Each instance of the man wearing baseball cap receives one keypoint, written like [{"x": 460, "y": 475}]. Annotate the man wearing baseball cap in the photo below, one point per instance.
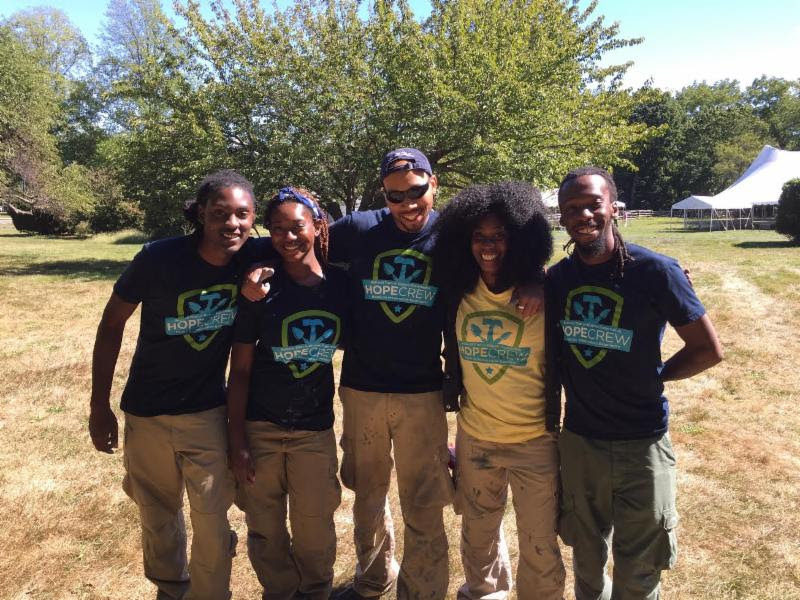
[{"x": 391, "y": 384}]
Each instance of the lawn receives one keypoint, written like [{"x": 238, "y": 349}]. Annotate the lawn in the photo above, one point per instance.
[{"x": 70, "y": 532}]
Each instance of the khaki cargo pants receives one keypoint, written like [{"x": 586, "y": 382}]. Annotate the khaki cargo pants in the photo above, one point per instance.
[
  {"x": 413, "y": 429},
  {"x": 626, "y": 488},
  {"x": 484, "y": 472},
  {"x": 164, "y": 455},
  {"x": 301, "y": 465}
]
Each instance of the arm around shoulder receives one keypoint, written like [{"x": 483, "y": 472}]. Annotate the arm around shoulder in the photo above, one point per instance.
[{"x": 702, "y": 350}]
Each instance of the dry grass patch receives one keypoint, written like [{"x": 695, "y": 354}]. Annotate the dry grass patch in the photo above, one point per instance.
[{"x": 70, "y": 531}]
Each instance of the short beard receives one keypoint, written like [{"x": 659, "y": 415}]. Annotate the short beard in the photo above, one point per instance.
[{"x": 595, "y": 248}]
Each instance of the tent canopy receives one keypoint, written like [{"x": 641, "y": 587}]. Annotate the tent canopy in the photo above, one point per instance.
[
  {"x": 761, "y": 183},
  {"x": 693, "y": 203}
]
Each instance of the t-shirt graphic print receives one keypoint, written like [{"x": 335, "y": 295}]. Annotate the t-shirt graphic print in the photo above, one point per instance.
[
  {"x": 202, "y": 313},
  {"x": 308, "y": 340},
  {"x": 591, "y": 324},
  {"x": 400, "y": 282},
  {"x": 490, "y": 341}
]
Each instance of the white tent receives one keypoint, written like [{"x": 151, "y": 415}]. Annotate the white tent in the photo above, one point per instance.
[
  {"x": 693, "y": 203},
  {"x": 761, "y": 184},
  {"x": 763, "y": 180}
]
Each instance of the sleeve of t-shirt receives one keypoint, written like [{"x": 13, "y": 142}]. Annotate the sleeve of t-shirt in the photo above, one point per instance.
[
  {"x": 134, "y": 283},
  {"x": 258, "y": 249},
  {"x": 340, "y": 242},
  {"x": 245, "y": 327},
  {"x": 676, "y": 299}
]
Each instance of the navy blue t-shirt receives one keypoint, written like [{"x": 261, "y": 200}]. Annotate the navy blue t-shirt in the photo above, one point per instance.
[
  {"x": 296, "y": 330},
  {"x": 188, "y": 310},
  {"x": 606, "y": 337},
  {"x": 398, "y": 316}
]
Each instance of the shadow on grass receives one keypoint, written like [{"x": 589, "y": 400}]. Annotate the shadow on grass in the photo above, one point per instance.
[
  {"x": 89, "y": 269},
  {"x": 769, "y": 244},
  {"x": 133, "y": 238}
]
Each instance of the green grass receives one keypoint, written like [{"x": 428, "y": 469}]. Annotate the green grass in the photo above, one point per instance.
[{"x": 70, "y": 532}]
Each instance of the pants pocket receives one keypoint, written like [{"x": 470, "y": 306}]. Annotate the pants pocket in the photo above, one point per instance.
[
  {"x": 667, "y": 553},
  {"x": 434, "y": 487},
  {"x": 566, "y": 520}
]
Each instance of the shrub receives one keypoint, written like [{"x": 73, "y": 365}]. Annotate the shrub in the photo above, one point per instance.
[
  {"x": 787, "y": 221},
  {"x": 112, "y": 212}
]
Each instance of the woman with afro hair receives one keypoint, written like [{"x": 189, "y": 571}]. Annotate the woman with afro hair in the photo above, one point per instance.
[{"x": 491, "y": 239}]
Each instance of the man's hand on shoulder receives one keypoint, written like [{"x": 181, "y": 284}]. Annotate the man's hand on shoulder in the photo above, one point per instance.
[{"x": 528, "y": 298}]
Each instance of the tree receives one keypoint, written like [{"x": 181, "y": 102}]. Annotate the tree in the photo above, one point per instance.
[
  {"x": 656, "y": 159},
  {"x": 28, "y": 110},
  {"x": 56, "y": 42},
  {"x": 777, "y": 103},
  {"x": 787, "y": 220},
  {"x": 706, "y": 135},
  {"x": 136, "y": 61},
  {"x": 315, "y": 95}
]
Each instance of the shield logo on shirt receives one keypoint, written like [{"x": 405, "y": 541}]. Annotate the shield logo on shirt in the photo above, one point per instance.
[
  {"x": 490, "y": 340},
  {"x": 202, "y": 313},
  {"x": 308, "y": 340},
  {"x": 400, "y": 282},
  {"x": 591, "y": 324}
]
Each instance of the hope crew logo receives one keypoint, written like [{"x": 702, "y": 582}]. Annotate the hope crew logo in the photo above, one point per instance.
[
  {"x": 490, "y": 340},
  {"x": 308, "y": 339},
  {"x": 202, "y": 313},
  {"x": 596, "y": 329},
  {"x": 400, "y": 283}
]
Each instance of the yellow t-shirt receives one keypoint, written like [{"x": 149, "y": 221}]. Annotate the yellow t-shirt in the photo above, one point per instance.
[{"x": 502, "y": 363}]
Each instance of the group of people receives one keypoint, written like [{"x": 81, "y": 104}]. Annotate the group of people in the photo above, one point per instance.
[{"x": 468, "y": 283}]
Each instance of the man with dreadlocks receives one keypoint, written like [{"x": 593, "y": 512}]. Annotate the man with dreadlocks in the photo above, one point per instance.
[{"x": 608, "y": 304}]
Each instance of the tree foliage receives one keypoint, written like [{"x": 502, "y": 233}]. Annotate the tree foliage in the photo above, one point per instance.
[
  {"x": 707, "y": 135},
  {"x": 28, "y": 110},
  {"x": 315, "y": 94}
]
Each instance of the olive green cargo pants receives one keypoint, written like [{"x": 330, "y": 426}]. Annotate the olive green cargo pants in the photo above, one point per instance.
[{"x": 625, "y": 488}]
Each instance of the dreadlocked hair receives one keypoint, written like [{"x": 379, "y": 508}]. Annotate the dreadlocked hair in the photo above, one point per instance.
[
  {"x": 321, "y": 241},
  {"x": 621, "y": 254},
  {"x": 210, "y": 188},
  {"x": 530, "y": 242}
]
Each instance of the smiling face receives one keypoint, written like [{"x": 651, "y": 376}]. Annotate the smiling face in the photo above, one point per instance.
[
  {"x": 587, "y": 213},
  {"x": 489, "y": 245},
  {"x": 410, "y": 215},
  {"x": 293, "y": 231},
  {"x": 227, "y": 219}
]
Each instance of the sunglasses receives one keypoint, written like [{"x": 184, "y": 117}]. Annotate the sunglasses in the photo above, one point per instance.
[{"x": 413, "y": 193}]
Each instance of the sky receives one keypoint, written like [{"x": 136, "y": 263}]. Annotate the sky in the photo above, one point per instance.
[{"x": 684, "y": 40}]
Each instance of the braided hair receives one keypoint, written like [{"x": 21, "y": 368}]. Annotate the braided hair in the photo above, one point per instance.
[
  {"x": 298, "y": 194},
  {"x": 621, "y": 254},
  {"x": 210, "y": 188}
]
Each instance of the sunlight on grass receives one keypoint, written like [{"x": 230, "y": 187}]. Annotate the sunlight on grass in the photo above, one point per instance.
[{"x": 70, "y": 532}]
